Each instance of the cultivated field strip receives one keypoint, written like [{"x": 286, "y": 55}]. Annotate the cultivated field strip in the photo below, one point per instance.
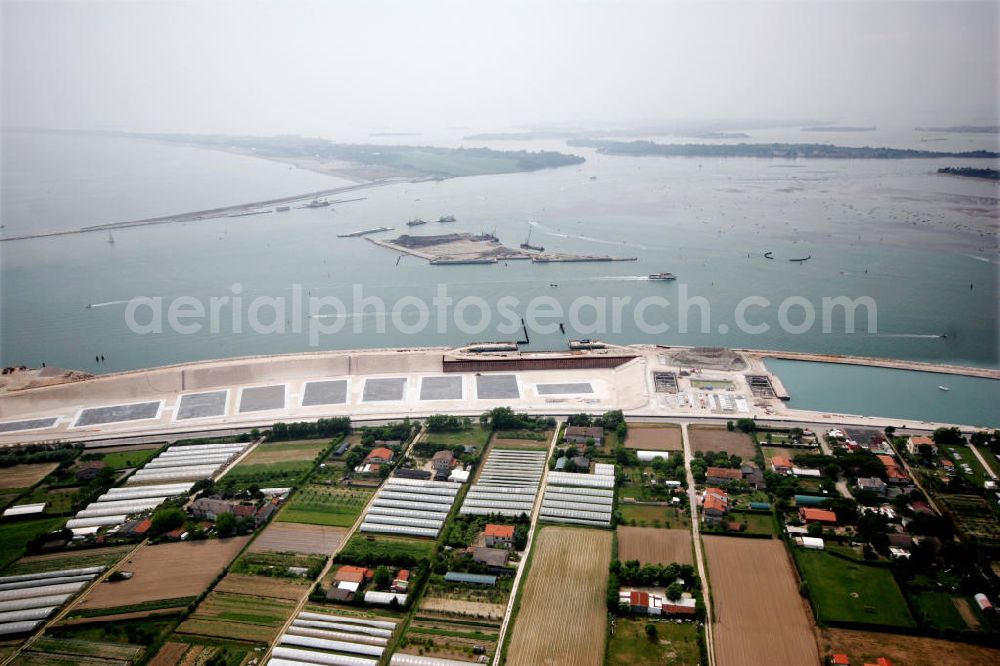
[
  {"x": 507, "y": 483},
  {"x": 410, "y": 506},
  {"x": 563, "y": 618},
  {"x": 579, "y": 499},
  {"x": 28, "y": 600},
  {"x": 338, "y": 640},
  {"x": 650, "y": 545},
  {"x": 754, "y": 590}
]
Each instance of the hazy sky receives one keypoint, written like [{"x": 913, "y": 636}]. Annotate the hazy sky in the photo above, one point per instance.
[{"x": 322, "y": 67}]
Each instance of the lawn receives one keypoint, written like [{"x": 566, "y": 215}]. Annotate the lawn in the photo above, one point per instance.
[
  {"x": 853, "y": 592},
  {"x": 15, "y": 536},
  {"x": 324, "y": 505},
  {"x": 940, "y": 611},
  {"x": 289, "y": 473},
  {"x": 640, "y": 515},
  {"x": 475, "y": 436},
  {"x": 757, "y": 523},
  {"x": 963, "y": 454},
  {"x": 129, "y": 459},
  {"x": 676, "y": 644},
  {"x": 363, "y": 547},
  {"x": 58, "y": 501}
]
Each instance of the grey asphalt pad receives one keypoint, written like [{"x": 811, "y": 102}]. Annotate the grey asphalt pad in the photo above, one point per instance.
[
  {"x": 260, "y": 398},
  {"x": 557, "y": 389},
  {"x": 384, "y": 389},
  {"x": 332, "y": 392},
  {"x": 28, "y": 424},
  {"x": 202, "y": 405},
  {"x": 497, "y": 387},
  {"x": 441, "y": 388},
  {"x": 118, "y": 413}
]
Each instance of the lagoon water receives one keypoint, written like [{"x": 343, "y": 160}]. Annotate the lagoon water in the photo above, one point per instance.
[
  {"x": 911, "y": 396},
  {"x": 922, "y": 246}
]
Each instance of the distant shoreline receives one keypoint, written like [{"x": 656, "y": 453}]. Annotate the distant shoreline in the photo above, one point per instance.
[{"x": 207, "y": 214}]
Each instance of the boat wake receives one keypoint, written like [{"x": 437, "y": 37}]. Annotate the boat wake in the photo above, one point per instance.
[
  {"x": 911, "y": 335},
  {"x": 104, "y": 305}
]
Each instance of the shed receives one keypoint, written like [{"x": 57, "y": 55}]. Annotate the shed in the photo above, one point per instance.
[
  {"x": 813, "y": 543},
  {"x": 809, "y": 500},
  {"x": 760, "y": 506},
  {"x": 491, "y": 557},
  {"x": 384, "y": 598},
  {"x": 983, "y": 601},
  {"x": 24, "y": 510},
  {"x": 581, "y": 435}
]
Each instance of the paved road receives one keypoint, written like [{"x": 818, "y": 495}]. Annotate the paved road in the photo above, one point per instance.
[{"x": 699, "y": 557}]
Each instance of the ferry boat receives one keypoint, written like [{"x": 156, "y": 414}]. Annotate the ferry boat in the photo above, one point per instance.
[
  {"x": 446, "y": 219},
  {"x": 416, "y": 222},
  {"x": 662, "y": 276},
  {"x": 317, "y": 203},
  {"x": 943, "y": 388}
]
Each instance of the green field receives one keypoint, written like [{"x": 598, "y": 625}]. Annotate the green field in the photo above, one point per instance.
[
  {"x": 940, "y": 611},
  {"x": 94, "y": 557},
  {"x": 362, "y": 546},
  {"x": 677, "y": 644},
  {"x": 639, "y": 515},
  {"x": 15, "y": 536},
  {"x": 127, "y": 459},
  {"x": 238, "y": 617},
  {"x": 852, "y": 592},
  {"x": 757, "y": 523},
  {"x": 58, "y": 501},
  {"x": 325, "y": 505},
  {"x": 52, "y": 650},
  {"x": 978, "y": 473},
  {"x": 474, "y": 436}
]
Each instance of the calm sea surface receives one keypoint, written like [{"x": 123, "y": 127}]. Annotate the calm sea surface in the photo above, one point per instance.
[{"x": 920, "y": 245}]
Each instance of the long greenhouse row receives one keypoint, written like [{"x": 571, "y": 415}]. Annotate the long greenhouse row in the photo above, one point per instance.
[
  {"x": 28, "y": 600},
  {"x": 580, "y": 499},
  {"x": 187, "y": 463},
  {"x": 410, "y": 506},
  {"x": 115, "y": 506},
  {"x": 336, "y": 640},
  {"x": 507, "y": 484}
]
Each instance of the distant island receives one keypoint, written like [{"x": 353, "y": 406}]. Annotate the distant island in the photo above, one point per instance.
[
  {"x": 971, "y": 172},
  {"x": 837, "y": 128},
  {"x": 962, "y": 129},
  {"x": 373, "y": 162},
  {"x": 782, "y": 150},
  {"x": 720, "y": 135}
]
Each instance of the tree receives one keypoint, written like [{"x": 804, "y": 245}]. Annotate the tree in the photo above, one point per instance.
[
  {"x": 815, "y": 530},
  {"x": 166, "y": 519},
  {"x": 651, "y": 632},
  {"x": 674, "y": 592},
  {"x": 746, "y": 425},
  {"x": 225, "y": 525},
  {"x": 948, "y": 437},
  {"x": 382, "y": 578}
]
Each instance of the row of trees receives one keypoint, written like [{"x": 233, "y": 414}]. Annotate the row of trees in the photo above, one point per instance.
[
  {"x": 323, "y": 428},
  {"x": 504, "y": 418}
]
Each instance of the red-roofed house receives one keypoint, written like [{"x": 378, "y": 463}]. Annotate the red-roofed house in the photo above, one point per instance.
[
  {"x": 401, "y": 582},
  {"x": 781, "y": 465},
  {"x": 502, "y": 535},
  {"x": 380, "y": 455},
  {"x": 894, "y": 473},
  {"x": 352, "y": 574},
  {"x": 840, "y": 659},
  {"x": 881, "y": 661},
  {"x": 714, "y": 505},
  {"x": 720, "y": 476},
  {"x": 821, "y": 516}
]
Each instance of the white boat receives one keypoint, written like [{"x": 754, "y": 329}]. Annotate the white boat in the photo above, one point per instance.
[{"x": 943, "y": 388}]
